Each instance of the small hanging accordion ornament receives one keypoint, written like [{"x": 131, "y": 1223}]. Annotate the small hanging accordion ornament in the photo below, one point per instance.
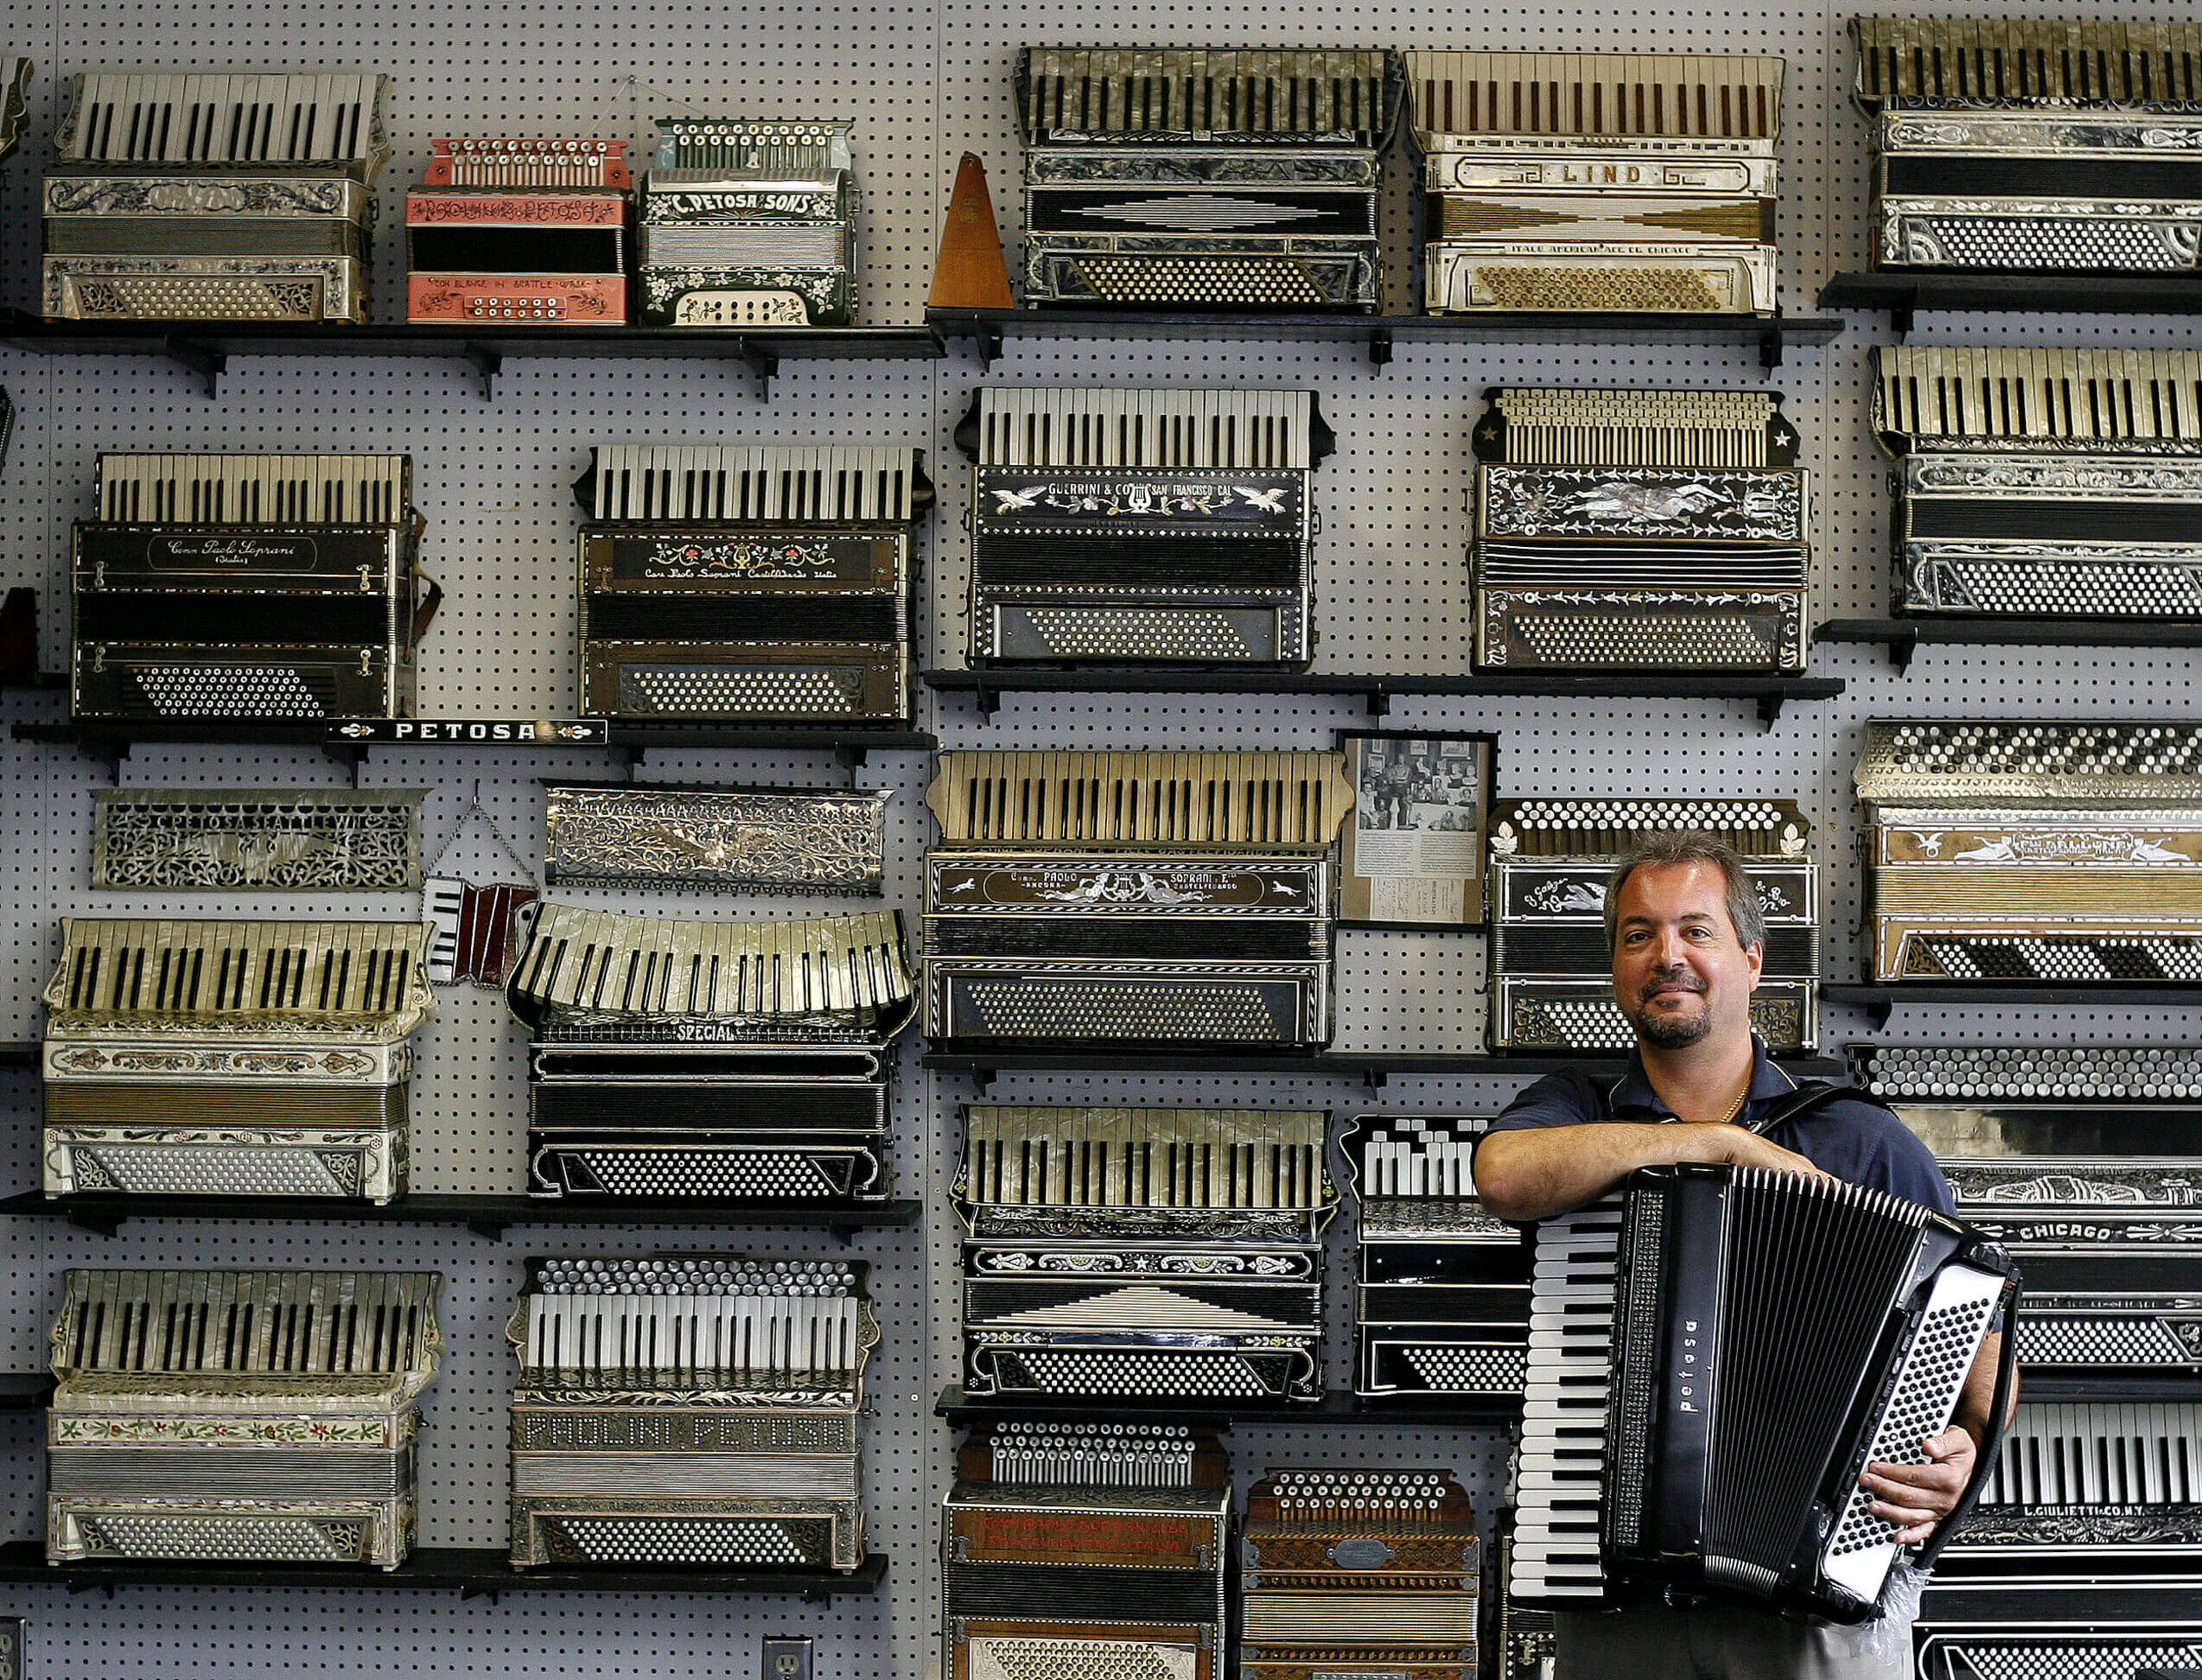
[{"x": 473, "y": 926}]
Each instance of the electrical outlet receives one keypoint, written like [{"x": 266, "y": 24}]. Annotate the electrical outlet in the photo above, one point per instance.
[{"x": 787, "y": 1659}]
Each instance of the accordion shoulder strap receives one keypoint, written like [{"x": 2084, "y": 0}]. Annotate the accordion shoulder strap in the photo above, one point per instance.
[{"x": 1808, "y": 1098}]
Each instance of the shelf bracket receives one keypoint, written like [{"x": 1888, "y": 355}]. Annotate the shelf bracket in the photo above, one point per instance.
[
  {"x": 348, "y": 753},
  {"x": 1378, "y": 702},
  {"x": 104, "y": 1586},
  {"x": 1770, "y": 707},
  {"x": 1900, "y": 315},
  {"x": 493, "y": 1230},
  {"x": 845, "y": 1234},
  {"x": 1879, "y": 1010},
  {"x": 990, "y": 701},
  {"x": 1771, "y": 345},
  {"x": 208, "y": 363},
  {"x": 1380, "y": 347},
  {"x": 103, "y": 1222},
  {"x": 988, "y": 336},
  {"x": 1375, "y": 1079},
  {"x": 817, "y": 1593},
  {"x": 1901, "y": 646},
  {"x": 763, "y": 363},
  {"x": 488, "y": 364},
  {"x": 474, "y": 1590}
]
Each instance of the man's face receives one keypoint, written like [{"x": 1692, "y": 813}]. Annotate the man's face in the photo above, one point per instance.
[{"x": 1680, "y": 974}]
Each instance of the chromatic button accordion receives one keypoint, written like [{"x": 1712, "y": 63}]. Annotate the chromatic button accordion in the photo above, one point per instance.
[
  {"x": 690, "y": 1410},
  {"x": 278, "y": 587},
  {"x": 1600, "y": 181},
  {"x": 238, "y": 1416},
  {"x": 748, "y": 224},
  {"x": 2033, "y": 147},
  {"x": 1142, "y": 526},
  {"x": 232, "y": 1058},
  {"x": 2082, "y": 1160},
  {"x": 1374, "y": 1572},
  {"x": 1185, "y": 898},
  {"x": 527, "y": 232},
  {"x": 1713, "y": 1358},
  {"x": 1641, "y": 531},
  {"x": 2032, "y": 853},
  {"x": 766, "y": 582},
  {"x": 721, "y": 1061},
  {"x": 181, "y": 197},
  {"x": 2044, "y": 483},
  {"x": 1145, "y": 1253},
  {"x": 1442, "y": 1307},
  {"x": 1085, "y": 1551},
  {"x": 1551, "y": 970},
  {"x": 1193, "y": 178}
]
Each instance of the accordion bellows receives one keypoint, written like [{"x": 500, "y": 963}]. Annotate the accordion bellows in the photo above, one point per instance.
[
  {"x": 698, "y": 1409},
  {"x": 238, "y": 1416},
  {"x": 232, "y": 1058},
  {"x": 747, "y": 223}
]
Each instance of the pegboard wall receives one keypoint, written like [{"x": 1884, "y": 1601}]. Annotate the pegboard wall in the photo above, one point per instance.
[{"x": 926, "y": 80}]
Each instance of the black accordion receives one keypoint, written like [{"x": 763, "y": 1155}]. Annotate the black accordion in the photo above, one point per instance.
[{"x": 1713, "y": 1359}]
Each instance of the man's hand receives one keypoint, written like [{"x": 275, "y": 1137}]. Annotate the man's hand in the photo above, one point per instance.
[
  {"x": 1917, "y": 1497},
  {"x": 1723, "y": 1141}
]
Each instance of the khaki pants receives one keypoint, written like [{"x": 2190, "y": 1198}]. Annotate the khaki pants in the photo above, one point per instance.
[{"x": 1721, "y": 1642}]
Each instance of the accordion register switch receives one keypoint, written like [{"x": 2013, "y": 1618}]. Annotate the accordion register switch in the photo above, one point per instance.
[
  {"x": 1641, "y": 531},
  {"x": 690, "y": 1410},
  {"x": 1598, "y": 181},
  {"x": 530, "y": 230},
  {"x": 1203, "y": 178},
  {"x": 186, "y": 197}
]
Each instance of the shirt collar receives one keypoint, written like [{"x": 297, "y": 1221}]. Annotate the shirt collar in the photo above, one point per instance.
[{"x": 1633, "y": 1088}]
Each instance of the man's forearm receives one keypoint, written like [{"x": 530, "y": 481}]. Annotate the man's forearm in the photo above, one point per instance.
[
  {"x": 1539, "y": 1171},
  {"x": 1979, "y": 1393}
]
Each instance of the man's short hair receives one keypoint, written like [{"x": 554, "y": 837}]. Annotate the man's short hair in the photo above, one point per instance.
[{"x": 1665, "y": 850}]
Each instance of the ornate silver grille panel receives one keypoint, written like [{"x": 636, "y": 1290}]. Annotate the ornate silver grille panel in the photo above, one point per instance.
[
  {"x": 174, "y": 839},
  {"x": 713, "y": 839}
]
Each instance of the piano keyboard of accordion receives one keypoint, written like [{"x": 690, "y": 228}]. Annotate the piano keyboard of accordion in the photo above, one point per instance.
[
  {"x": 695, "y": 1409},
  {"x": 1163, "y": 898},
  {"x": 1603, "y": 182},
  {"x": 2044, "y": 483},
  {"x": 232, "y": 1058},
  {"x": 1142, "y": 526},
  {"x": 521, "y": 229},
  {"x": 762, "y": 581},
  {"x": 1641, "y": 531},
  {"x": 238, "y": 1416},
  {"x": 1552, "y": 972},
  {"x": 2082, "y": 1160},
  {"x": 1143, "y": 1254},
  {"x": 748, "y": 224},
  {"x": 252, "y": 588},
  {"x": 1442, "y": 1307},
  {"x": 2032, "y": 853},
  {"x": 1373, "y": 1572},
  {"x": 1713, "y": 1359},
  {"x": 182, "y": 197},
  {"x": 719, "y": 1061},
  {"x": 1093, "y": 1550},
  {"x": 2033, "y": 147},
  {"x": 1201, "y": 179}
]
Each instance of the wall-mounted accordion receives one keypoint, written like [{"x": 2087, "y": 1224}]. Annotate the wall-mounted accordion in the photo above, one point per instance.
[
  {"x": 1185, "y": 898},
  {"x": 277, "y": 587},
  {"x": 2044, "y": 483},
  {"x": 241, "y": 839},
  {"x": 2033, "y": 146},
  {"x": 1086, "y": 1549},
  {"x": 748, "y": 224},
  {"x": 520, "y": 231},
  {"x": 2032, "y": 853},
  {"x": 14, "y": 102},
  {"x": 714, "y": 839},
  {"x": 1442, "y": 1307},
  {"x": 1135, "y": 525},
  {"x": 1552, "y": 972},
  {"x": 722, "y": 1061},
  {"x": 1199, "y": 178},
  {"x": 183, "y": 197},
  {"x": 232, "y": 1058},
  {"x": 1598, "y": 182},
  {"x": 1145, "y": 1253},
  {"x": 761, "y": 581},
  {"x": 690, "y": 1410},
  {"x": 1641, "y": 531},
  {"x": 1715, "y": 1355},
  {"x": 238, "y": 1416},
  {"x": 1366, "y": 1572}
]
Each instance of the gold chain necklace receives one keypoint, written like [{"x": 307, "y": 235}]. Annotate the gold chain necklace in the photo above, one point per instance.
[{"x": 1736, "y": 1107}]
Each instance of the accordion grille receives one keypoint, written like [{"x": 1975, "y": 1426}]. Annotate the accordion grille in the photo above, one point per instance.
[{"x": 248, "y": 1322}]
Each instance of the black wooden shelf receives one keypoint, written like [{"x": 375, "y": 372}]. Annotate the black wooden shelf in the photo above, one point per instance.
[
  {"x": 1903, "y": 296},
  {"x": 470, "y": 1573},
  {"x": 25, "y": 1390},
  {"x": 204, "y": 348},
  {"x": 1879, "y": 1001},
  {"x": 1380, "y": 693},
  {"x": 42, "y": 681},
  {"x": 1904, "y": 637},
  {"x": 1374, "y": 1069},
  {"x": 485, "y": 1216},
  {"x": 1332, "y": 1411},
  {"x": 987, "y": 329},
  {"x": 19, "y": 1055}
]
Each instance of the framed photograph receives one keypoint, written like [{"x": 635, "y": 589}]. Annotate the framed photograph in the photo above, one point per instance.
[{"x": 1416, "y": 847}]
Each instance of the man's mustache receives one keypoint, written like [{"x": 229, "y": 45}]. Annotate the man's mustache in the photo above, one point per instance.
[{"x": 1671, "y": 980}]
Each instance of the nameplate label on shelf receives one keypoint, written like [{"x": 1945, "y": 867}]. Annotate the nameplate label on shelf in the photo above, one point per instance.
[{"x": 474, "y": 731}]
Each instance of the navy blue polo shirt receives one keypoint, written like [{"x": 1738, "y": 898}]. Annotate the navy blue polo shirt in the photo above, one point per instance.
[{"x": 1858, "y": 1141}]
